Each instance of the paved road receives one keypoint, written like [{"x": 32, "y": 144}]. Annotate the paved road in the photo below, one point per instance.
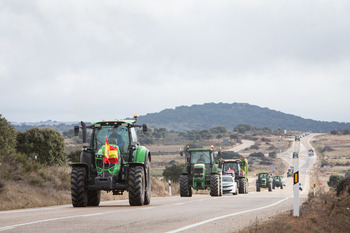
[
  {"x": 200, "y": 213},
  {"x": 245, "y": 144}
]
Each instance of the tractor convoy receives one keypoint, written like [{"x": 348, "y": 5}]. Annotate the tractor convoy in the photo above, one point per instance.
[{"x": 114, "y": 161}]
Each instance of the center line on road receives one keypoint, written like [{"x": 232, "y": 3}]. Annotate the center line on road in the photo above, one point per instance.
[{"x": 226, "y": 216}]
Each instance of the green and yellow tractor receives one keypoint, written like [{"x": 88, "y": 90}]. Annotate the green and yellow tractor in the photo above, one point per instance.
[
  {"x": 201, "y": 172},
  {"x": 114, "y": 161},
  {"x": 240, "y": 168}
]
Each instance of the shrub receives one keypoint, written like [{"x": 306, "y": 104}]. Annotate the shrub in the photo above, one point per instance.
[
  {"x": 257, "y": 154},
  {"x": 343, "y": 186},
  {"x": 334, "y": 180},
  {"x": 173, "y": 172},
  {"x": 273, "y": 154}
]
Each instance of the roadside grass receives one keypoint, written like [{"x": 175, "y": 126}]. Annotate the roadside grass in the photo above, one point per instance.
[{"x": 323, "y": 213}]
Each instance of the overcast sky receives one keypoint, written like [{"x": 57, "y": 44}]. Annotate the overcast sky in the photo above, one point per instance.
[{"x": 92, "y": 60}]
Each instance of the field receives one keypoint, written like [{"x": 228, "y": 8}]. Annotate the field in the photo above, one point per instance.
[{"x": 334, "y": 156}]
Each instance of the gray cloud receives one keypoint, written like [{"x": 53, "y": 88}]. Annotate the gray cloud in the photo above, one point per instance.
[{"x": 72, "y": 60}]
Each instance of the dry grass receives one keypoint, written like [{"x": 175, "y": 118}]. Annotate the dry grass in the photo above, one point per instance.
[
  {"x": 267, "y": 144},
  {"x": 333, "y": 150},
  {"x": 51, "y": 186},
  {"x": 323, "y": 213}
]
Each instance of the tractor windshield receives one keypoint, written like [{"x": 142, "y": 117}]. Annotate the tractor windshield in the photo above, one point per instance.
[
  {"x": 227, "y": 166},
  {"x": 200, "y": 157},
  {"x": 263, "y": 176},
  {"x": 116, "y": 135}
]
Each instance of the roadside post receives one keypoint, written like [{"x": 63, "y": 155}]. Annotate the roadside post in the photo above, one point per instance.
[
  {"x": 314, "y": 188},
  {"x": 169, "y": 187},
  {"x": 296, "y": 179}
]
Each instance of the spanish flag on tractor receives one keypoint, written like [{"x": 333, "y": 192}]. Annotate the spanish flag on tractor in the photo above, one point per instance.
[{"x": 111, "y": 153}]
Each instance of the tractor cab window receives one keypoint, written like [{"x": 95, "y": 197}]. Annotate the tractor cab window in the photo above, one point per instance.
[
  {"x": 263, "y": 176},
  {"x": 200, "y": 157},
  {"x": 116, "y": 135},
  {"x": 231, "y": 166},
  {"x": 133, "y": 136}
]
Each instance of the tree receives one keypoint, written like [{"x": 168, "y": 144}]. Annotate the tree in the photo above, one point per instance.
[
  {"x": 7, "y": 137},
  {"x": 47, "y": 144},
  {"x": 173, "y": 172}
]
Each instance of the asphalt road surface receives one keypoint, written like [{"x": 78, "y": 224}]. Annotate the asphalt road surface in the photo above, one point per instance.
[{"x": 199, "y": 213}]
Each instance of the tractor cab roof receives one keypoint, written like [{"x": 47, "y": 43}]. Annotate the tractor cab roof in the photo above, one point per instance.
[
  {"x": 200, "y": 149},
  {"x": 115, "y": 122},
  {"x": 231, "y": 160}
]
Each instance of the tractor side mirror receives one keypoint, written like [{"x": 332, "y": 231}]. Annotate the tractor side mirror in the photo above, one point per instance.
[
  {"x": 83, "y": 127},
  {"x": 144, "y": 128},
  {"x": 76, "y": 131}
]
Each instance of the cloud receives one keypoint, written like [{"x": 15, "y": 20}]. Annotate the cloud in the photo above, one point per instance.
[{"x": 75, "y": 59}]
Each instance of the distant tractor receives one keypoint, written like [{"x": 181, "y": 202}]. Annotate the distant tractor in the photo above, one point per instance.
[
  {"x": 277, "y": 182},
  {"x": 200, "y": 172},
  {"x": 240, "y": 169},
  {"x": 263, "y": 181},
  {"x": 311, "y": 152},
  {"x": 295, "y": 155},
  {"x": 114, "y": 161},
  {"x": 290, "y": 171},
  {"x": 297, "y": 138}
]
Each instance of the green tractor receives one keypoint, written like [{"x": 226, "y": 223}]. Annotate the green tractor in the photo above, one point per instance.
[
  {"x": 240, "y": 168},
  {"x": 114, "y": 161},
  {"x": 200, "y": 172},
  {"x": 290, "y": 171},
  {"x": 277, "y": 182},
  {"x": 263, "y": 181}
]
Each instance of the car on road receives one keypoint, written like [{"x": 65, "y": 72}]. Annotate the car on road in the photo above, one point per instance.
[{"x": 229, "y": 185}]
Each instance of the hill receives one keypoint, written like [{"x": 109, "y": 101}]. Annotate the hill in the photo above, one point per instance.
[{"x": 210, "y": 115}]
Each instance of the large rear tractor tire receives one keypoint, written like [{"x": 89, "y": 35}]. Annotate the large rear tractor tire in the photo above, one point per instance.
[
  {"x": 258, "y": 187},
  {"x": 78, "y": 187},
  {"x": 214, "y": 186},
  {"x": 136, "y": 186},
  {"x": 281, "y": 185},
  {"x": 273, "y": 186},
  {"x": 148, "y": 186},
  {"x": 185, "y": 189},
  {"x": 243, "y": 185},
  {"x": 94, "y": 197}
]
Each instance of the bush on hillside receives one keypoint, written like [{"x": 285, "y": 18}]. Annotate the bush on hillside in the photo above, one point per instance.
[{"x": 7, "y": 137}]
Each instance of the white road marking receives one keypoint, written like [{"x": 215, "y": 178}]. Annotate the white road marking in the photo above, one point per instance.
[{"x": 226, "y": 216}]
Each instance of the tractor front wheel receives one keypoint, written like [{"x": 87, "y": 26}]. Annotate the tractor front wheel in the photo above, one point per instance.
[
  {"x": 269, "y": 187},
  {"x": 136, "y": 186},
  {"x": 78, "y": 187},
  {"x": 258, "y": 187}
]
